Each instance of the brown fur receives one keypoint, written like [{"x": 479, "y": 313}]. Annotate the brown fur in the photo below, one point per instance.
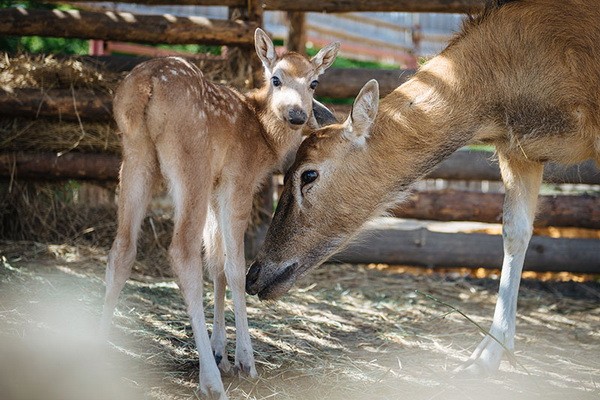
[{"x": 524, "y": 76}]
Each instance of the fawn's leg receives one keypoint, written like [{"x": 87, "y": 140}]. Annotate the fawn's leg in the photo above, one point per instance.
[
  {"x": 234, "y": 220},
  {"x": 191, "y": 193},
  {"x": 215, "y": 258},
  {"x": 139, "y": 171}
]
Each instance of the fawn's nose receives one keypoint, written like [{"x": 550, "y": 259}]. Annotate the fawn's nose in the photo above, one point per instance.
[
  {"x": 297, "y": 116},
  {"x": 252, "y": 278}
]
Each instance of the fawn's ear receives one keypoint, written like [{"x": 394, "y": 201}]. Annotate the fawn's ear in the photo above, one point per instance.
[
  {"x": 325, "y": 57},
  {"x": 364, "y": 110},
  {"x": 265, "y": 49}
]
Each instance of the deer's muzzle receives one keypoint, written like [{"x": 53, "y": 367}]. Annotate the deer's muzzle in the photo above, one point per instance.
[{"x": 270, "y": 284}]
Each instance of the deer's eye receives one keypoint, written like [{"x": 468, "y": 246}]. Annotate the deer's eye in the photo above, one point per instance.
[
  {"x": 276, "y": 81},
  {"x": 313, "y": 84},
  {"x": 308, "y": 176}
]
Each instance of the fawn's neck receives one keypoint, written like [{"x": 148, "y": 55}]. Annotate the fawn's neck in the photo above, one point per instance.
[{"x": 278, "y": 136}]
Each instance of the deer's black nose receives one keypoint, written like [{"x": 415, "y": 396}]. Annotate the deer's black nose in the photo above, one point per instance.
[
  {"x": 297, "y": 116},
  {"x": 252, "y": 278}
]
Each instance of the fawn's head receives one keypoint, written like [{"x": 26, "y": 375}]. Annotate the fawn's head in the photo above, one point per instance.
[
  {"x": 292, "y": 79},
  {"x": 320, "y": 207}
]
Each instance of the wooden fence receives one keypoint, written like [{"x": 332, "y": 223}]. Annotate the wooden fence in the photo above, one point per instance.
[{"x": 420, "y": 244}]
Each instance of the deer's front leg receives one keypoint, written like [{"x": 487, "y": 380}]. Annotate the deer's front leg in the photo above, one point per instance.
[
  {"x": 522, "y": 182},
  {"x": 234, "y": 222}
]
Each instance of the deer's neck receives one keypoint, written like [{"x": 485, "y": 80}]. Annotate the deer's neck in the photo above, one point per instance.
[
  {"x": 276, "y": 134},
  {"x": 418, "y": 125}
]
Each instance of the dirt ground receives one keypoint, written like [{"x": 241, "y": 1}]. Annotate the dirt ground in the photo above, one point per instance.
[{"x": 345, "y": 332}]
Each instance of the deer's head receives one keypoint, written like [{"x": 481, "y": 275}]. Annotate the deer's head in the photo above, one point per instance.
[
  {"x": 321, "y": 204},
  {"x": 292, "y": 79}
]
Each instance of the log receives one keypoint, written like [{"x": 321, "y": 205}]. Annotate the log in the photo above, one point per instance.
[
  {"x": 125, "y": 27},
  {"x": 59, "y": 103},
  {"x": 582, "y": 211},
  {"x": 226, "y": 3},
  {"x": 63, "y": 104},
  {"x": 347, "y": 82},
  {"x": 392, "y": 241},
  {"x": 480, "y": 165},
  {"x": 456, "y": 6},
  {"x": 48, "y": 166},
  {"x": 449, "y": 6},
  {"x": 296, "y": 33}
]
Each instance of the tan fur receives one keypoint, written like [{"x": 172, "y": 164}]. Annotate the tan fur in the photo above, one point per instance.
[
  {"x": 214, "y": 147},
  {"x": 524, "y": 76}
]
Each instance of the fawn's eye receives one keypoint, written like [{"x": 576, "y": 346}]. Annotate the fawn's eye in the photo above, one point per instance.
[
  {"x": 276, "y": 81},
  {"x": 309, "y": 176},
  {"x": 313, "y": 84}
]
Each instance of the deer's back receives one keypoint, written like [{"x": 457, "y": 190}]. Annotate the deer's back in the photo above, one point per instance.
[
  {"x": 533, "y": 67},
  {"x": 169, "y": 102}
]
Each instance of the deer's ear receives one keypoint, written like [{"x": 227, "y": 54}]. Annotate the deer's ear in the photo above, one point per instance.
[
  {"x": 325, "y": 57},
  {"x": 265, "y": 49},
  {"x": 321, "y": 115},
  {"x": 364, "y": 110}
]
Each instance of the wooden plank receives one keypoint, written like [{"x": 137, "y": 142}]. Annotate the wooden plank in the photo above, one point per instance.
[
  {"x": 63, "y": 104},
  {"x": 49, "y": 166},
  {"x": 335, "y": 34},
  {"x": 59, "y": 103},
  {"x": 226, "y": 3},
  {"x": 124, "y": 27},
  {"x": 419, "y": 244},
  {"x": 296, "y": 32},
  {"x": 449, "y": 6},
  {"x": 581, "y": 211},
  {"x": 456, "y": 6},
  {"x": 361, "y": 19},
  {"x": 347, "y": 82},
  {"x": 481, "y": 165}
]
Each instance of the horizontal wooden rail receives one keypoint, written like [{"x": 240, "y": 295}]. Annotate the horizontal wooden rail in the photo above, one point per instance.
[
  {"x": 481, "y": 165},
  {"x": 447, "y": 205},
  {"x": 227, "y": 3},
  {"x": 449, "y": 6},
  {"x": 124, "y": 27},
  {"x": 419, "y": 243},
  {"x": 72, "y": 105},
  {"x": 462, "y": 165},
  {"x": 62, "y": 104},
  {"x": 49, "y": 166},
  {"x": 581, "y": 211},
  {"x": 355, "y": 38},
  {"x": 346, "y": 82},
  {"x": 454, "y": 6}
]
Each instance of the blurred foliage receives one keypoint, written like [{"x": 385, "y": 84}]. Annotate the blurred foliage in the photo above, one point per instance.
[
  {"x": 37, "y": 44},
  {"x": 192, "y": 48},
  {"x": 46, "y": 45}
]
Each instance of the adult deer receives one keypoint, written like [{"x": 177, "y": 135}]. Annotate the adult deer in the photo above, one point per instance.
[
  {"x": 523, "y": 76},
  {"x": 214, "y": 147}
]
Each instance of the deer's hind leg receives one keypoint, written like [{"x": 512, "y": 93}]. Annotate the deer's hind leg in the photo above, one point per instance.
[
  {"x": 522, "y": 181},
  {"x": 214, "y": 254},
  {"x": 138, "y": 176},
  {"x": 191, "y": 193}
]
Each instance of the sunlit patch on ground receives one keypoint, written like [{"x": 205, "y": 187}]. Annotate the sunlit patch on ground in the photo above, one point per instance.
[{"x": 345, "y": 332}]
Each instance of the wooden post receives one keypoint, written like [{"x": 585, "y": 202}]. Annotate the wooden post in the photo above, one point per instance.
[
  {"x": 296, "y": 40},
  {"x": 263, "y": 200}
]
